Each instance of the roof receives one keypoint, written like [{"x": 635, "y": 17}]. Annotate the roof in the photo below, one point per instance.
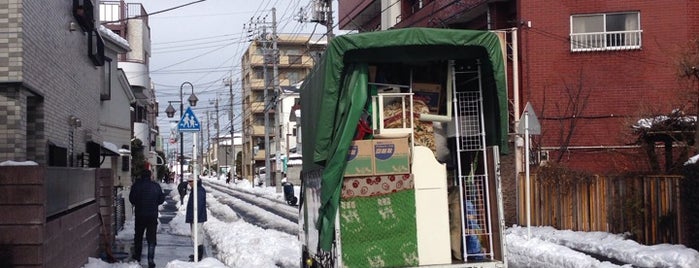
[{"x": 115, "y": 38}]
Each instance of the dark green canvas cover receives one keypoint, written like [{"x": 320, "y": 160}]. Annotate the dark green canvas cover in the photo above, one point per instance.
[{"x": 334, "y": 94}]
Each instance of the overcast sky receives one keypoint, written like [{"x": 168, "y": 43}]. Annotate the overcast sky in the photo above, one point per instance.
[{"x": 202, "y": 43}]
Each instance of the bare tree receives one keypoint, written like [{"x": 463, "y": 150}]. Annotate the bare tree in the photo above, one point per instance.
[
  {"x": 688, "y": 76},
  {"x": 570, "y": 112}
]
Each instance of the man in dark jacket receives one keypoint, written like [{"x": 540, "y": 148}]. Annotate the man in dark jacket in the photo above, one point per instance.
[
  {"x": 146, "y": 195},
  {"x": 201, "y": 216},
  {"x": 182, "y": 190}
]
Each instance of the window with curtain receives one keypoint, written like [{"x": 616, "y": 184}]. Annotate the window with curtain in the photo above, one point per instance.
[{"x": 607, "y": 31}]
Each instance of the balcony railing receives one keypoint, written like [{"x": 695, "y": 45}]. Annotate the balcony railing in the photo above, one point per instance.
[
  {"x": 115, "y": 11},
  {"x": 602, "y": 41}
]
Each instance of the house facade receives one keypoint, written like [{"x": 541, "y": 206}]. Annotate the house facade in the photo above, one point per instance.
[
  {"x": 51, "y": 90},
  {"x": 592, "y": 69},
  {"x": 223, "y": 153},
  {"x": 116, "y": 125},
  {"x": 130, "y": 21}
]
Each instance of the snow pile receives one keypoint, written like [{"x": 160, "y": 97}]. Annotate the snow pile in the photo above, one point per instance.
[
  {"x": 539, "y": 253},
  {"x": 608, "y": 245}
]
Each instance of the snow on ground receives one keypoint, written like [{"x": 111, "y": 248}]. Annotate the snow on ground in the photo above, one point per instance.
[
  {"x": 242, "y": 244},
  {"x": 603, "y": 244}
]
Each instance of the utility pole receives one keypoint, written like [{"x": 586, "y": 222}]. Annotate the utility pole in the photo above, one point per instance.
[
  {"x": 277, "y": 109},
  {"x": 323, "y": 14},
  {"x": 231, "y": 117},
  {"x": 208, "y": 138},
  {"x": 217, "y": 137},
  {"x": 270, "y": 101},
  {"x": 267, "y": 102},
  {"x": 264, "y": 40}
]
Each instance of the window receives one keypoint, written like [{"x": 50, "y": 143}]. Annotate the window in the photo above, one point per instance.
[
  {"x": 259, "y": 120},
  {"x": 599, "y": 32},
  {"x": 293, "y": 76},
  {"x": 294, "y": 59},
  {"x": 259, "y": 73},
  {"x": 95, "y": 48},
  {"x": 106, "y": 92},
  {"x": 258, "y": 96}
]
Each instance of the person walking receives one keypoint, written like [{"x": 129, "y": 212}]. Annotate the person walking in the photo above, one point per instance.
[
  {"x": 201, "y": 216},
  {"x": 146, "y": 195},
  {"x": 182, "y": 190}
]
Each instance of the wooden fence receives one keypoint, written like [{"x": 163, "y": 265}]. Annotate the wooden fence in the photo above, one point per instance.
[{"x": 645, "y": 207}]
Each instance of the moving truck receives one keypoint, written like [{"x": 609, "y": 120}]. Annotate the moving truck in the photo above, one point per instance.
[{"x": 402, "y": 133}]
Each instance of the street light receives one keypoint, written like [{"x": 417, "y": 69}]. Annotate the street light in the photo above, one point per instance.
[{"x": 170, "y": 111}]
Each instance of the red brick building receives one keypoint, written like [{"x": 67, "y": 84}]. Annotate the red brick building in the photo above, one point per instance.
[{"x": 589, "y": 68}]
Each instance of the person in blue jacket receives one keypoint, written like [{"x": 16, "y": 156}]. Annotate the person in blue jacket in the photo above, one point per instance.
[
  {"x": 201, "y": 216},
  {"x": 146, "y": 195}
]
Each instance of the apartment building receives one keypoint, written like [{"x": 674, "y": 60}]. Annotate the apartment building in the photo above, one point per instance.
[{"x": 294, "y": 62}]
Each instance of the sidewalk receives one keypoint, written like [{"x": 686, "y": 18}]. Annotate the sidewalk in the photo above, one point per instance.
[{"x": 170, "y": 247}]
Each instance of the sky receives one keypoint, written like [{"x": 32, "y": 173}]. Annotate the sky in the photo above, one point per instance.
[
  {"x": 243, "y": 244},
  {"x": 202, "y": 43}
]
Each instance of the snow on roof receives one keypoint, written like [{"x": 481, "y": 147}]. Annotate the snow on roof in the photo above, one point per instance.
[
  {"x": 647, "y": 123},
  {"x": 18, "y": 163},
  {"x": 114, "y": 37},
  {"x": 692, "y": 160}
]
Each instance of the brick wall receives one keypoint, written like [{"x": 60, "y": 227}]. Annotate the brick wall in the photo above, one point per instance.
[
  {"x": 105, "y": 198},
  {"x": 22, "y": 198},
  {"x": 72, "y": 238},
  {"x": 29, "y": 239},
  {"x": 621, "y": 84},
  {"x": 12, "y": 137},
  {"x": 10, "y": 41}
]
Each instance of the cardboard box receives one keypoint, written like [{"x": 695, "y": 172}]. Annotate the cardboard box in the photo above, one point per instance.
[
  {"x": 391, "y": 156},
  {"x": 360, "y": 159},
  {"x": 430, "y": 93}
]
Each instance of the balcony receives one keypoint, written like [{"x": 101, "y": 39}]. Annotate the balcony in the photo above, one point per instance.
[
  {"x": 260, "y": 155},
  {"x": 259, "y": 130},
  {"x": 114, "y": 12},
  {"x": 604, "y": 41},
  {"x": 257, "y": 84},
  {"x": 257, "y": 107}
]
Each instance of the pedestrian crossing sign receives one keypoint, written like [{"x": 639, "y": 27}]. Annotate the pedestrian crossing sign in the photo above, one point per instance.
[{"x": 189, "y": 122}]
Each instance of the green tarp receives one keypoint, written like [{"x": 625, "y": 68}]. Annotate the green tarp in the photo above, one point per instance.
[
  {"x": 334, "y": 94},
  {"x": 379, "y": 231}
]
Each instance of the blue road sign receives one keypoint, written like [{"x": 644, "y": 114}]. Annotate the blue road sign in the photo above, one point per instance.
[{"x": 189, "y": 122}]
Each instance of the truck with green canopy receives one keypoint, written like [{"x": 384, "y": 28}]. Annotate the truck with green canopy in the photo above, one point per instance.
[{"x": 401, "y": 136}]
